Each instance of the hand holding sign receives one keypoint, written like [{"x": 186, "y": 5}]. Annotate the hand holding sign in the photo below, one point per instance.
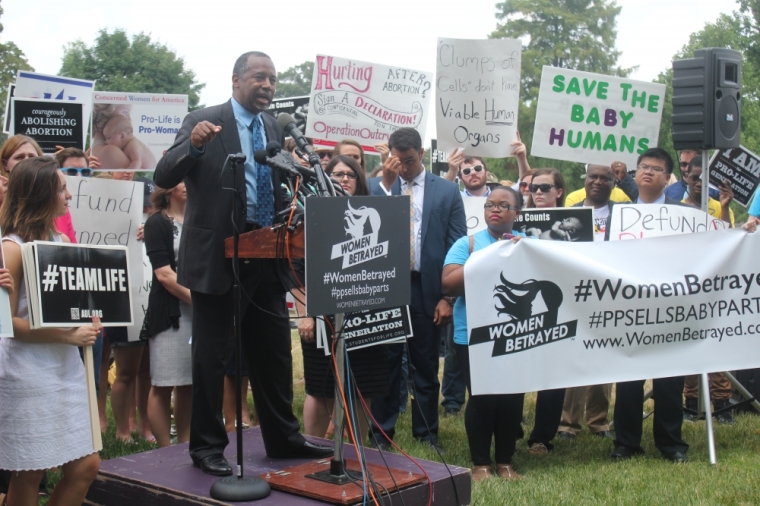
[
  {"x": 86, "y": 334},
  {"x": 726, "y": 194},
  {"x": 203, "y": 133},
  {"x": 6, "y": 280},
  {"x": 519, "y": 150},
  {"x": 456, "y": 159}
]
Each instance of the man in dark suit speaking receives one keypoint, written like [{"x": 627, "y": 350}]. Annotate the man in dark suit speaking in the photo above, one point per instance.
[
  {"x": 437, "y": 221},
  {"x": 198, "y": 158}
]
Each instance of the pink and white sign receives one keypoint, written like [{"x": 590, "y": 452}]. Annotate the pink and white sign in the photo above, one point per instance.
[{"x": 365, "y": 102}]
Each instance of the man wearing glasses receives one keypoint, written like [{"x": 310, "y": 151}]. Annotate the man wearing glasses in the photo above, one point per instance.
[
  {"x": 653, "y": 170},
  {"x": 677, "y": 191},
  {"x": 474, "y": 174}
]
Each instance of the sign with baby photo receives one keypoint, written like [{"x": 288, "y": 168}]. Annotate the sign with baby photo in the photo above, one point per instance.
[{"x": 131, "y": 131}]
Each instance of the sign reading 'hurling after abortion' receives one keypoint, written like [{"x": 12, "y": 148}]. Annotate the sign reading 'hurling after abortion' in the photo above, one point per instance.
[
  {"x": 364, "y": 101},
  {"x": 594, "y": 118},
  {"x": 477, "y": 92},
  {"x": 357, "y": 254},
  {"x": 548, "y": 314}
]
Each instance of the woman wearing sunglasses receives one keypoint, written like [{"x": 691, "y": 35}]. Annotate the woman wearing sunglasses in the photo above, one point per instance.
[
  {"x": 369, "y": 366},
  {"x": 487, "y": 417},
  {"x": 547, "y": 189}
]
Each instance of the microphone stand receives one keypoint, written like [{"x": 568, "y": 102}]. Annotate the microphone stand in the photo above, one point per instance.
[
  {"x": 336, "y": 475},
  {"x": 240, "y": 487}
]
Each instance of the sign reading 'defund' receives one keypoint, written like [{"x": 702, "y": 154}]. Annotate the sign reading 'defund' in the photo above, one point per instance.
[
  {"x": 594, "y": 118},
  {"x": 357, "y": 254},
  {"x": 477, "y": 92}
]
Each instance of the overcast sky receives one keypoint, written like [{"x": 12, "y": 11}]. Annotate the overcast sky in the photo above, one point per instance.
[{"x": 210, "y": 35}]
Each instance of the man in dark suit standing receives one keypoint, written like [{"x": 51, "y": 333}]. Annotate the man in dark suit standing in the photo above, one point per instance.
[
  {"x": 438, "y": 220},
  {"x": 653, "y": 170},
  {"x": 198, "y": 158}
]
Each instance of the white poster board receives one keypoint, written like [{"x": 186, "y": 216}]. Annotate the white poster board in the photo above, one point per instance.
[
  {"x": 35, "y": 85},
  {"x": 640, "y": 221},
  {"x": 131, "y": 131},
  {"x": 477, "y": 92},
  {"x": 594, "y": 118},
  {"x": 552, "y": 314},
  {"x": 364, "y": 101},
  {"x": 105, "y": 211}
]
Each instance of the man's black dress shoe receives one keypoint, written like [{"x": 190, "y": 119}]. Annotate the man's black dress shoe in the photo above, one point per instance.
[
  {"x": 625, "y": 453},
  {"x": 307, "y": 450},
  {"x": 567, "y": 435},
  {"x": 677, "y": 457},
  {"x": 215, "y": 465},
  {"x": 603, "y": 434}
]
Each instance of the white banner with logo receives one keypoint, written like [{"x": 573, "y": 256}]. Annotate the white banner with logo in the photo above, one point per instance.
[
  {"x": 549, "y": 314},
  {"x": 366, "y": 102},
  {"x": 594, "y": 118},
  {"x": 640, "y": 221},
  {"x": 477, "y": 92},
  {"x": 108, "y": 212}
]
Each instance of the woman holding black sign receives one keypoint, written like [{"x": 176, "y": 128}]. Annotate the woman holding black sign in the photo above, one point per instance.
[
  {"x": 169, "y": 320},
  {"x": 41, "y": 368},
  {"x": 369, "y": 366},
  {"x": 486, "y": 417}
]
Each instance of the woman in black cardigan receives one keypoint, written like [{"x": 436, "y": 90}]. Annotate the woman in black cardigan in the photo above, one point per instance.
[{"x": 168, "y": 321}]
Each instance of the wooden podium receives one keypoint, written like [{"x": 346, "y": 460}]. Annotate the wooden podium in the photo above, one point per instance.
[{"x": 268, "y": 243}]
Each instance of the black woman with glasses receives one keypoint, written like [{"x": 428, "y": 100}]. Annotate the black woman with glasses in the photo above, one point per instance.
[{"x": 486, "y": 417}]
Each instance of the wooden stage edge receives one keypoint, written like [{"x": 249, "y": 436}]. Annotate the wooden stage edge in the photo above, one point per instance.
[{"x": 167, "y": 477}]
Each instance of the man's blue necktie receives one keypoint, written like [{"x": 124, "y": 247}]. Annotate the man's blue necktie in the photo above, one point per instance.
[{"x": 264, "y": 193}]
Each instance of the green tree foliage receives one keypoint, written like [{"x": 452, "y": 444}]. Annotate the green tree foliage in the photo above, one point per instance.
[
  {"x": 139, "y": 65},
  {"x": 296, "y": 81},
  {"x": 12, "y": 60},
  {"x": 573, "y": 34}
]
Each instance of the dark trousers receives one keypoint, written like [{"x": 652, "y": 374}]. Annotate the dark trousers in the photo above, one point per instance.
[
  {"x": 266, "y": 350},
  {"x": 548, "y": 415},
  {"x": 423, "y": 354},
  {"x": 668, "y": 414},
  {"x": 452, "y": 387},
  {"x": 487, "y": 416}
]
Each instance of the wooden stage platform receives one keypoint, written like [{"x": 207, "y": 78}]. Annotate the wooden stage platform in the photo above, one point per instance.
[{"x": 167, "y": 477}]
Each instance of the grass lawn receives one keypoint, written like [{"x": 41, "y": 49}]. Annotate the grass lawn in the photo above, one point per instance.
[{"x": 580, "y": 472}]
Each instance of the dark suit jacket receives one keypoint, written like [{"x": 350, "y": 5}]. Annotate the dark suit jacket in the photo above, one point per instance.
[
  {"x": 208, "y": 217},
  {"x": 443, "y": 222},
  {"x": 668, "y": 200}
]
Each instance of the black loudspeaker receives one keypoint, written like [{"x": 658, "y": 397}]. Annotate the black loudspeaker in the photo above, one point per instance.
[{"x": 707, "y": 100}]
